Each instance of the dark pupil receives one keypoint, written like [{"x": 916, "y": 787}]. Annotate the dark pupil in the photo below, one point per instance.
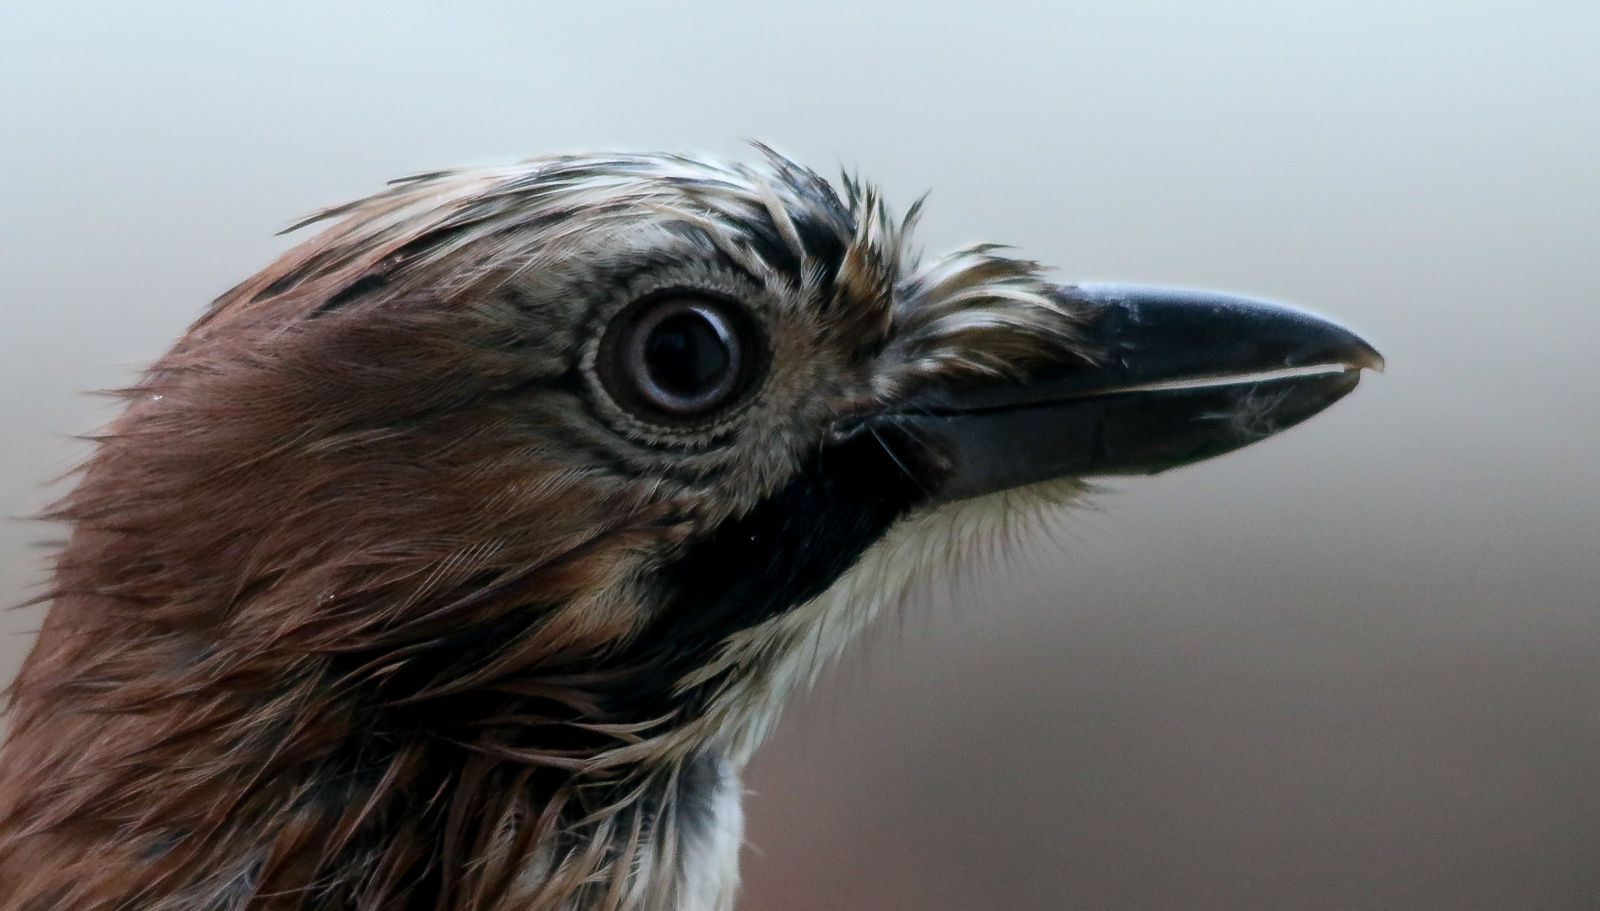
[{"x": 685, "y": 356}]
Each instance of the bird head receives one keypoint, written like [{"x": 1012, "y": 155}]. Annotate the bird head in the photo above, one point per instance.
[{"x": 462, "y": 557}]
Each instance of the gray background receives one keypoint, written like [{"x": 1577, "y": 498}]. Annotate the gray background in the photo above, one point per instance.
[{"x": 1353, "y": 667}]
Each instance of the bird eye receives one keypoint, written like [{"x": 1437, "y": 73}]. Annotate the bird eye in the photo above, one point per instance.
[{"x": 676, "y": 357}]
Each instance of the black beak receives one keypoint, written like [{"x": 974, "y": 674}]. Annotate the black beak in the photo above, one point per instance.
[{"x": 1178, "y": 376}]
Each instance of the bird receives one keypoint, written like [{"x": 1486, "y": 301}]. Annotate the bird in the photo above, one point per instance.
[{"x": 463, "y": 556}]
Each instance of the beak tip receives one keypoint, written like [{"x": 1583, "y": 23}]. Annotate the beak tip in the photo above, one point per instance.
[
  {"x": 1371, "y": 359},
  {"x": 1353, "y": 354}
]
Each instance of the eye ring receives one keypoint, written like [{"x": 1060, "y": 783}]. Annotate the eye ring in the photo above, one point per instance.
[{"x": 677, "y": 357}]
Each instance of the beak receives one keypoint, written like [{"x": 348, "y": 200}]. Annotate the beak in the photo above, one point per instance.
[{"x": 1176, "y": 377}]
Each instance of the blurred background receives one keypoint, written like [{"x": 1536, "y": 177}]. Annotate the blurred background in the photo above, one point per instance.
[{"x": 1354, "y": 667}]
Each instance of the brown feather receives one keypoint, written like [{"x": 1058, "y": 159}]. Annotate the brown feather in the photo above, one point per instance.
[{"x": 333, "y": 622}]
